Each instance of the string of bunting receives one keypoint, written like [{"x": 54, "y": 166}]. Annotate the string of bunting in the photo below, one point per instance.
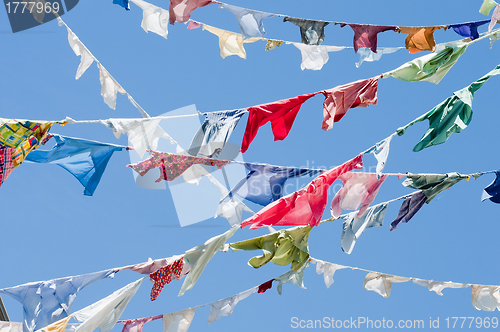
[
  {"x": 20, "y": 138},
  {"x": 338, "y": 101},
  {"x": 455, "y": 113},
  {"x": 312, "y": 31},
  {"x": 110, "y": 87},
  {"x": 163, "y": 271}
]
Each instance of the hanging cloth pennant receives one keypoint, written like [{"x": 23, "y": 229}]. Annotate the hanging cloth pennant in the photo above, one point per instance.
[
  {"x": 365, "y": 35},
  {"x": 109, "y": 87},
  {"x": 176, "y": 270},
  {"x": 180, "y": 10},
  {"x": 280, "y": 113},
  {"x": 468, "y": 29},
  {"x": 437, "y": 286},
  {"x": 366, "y": 54},
  {"x": 226, "y": 306},
  {"x": 85, "y": 160},
  {"x": 381, "y": 153},
  {"x": 432, "y": 184},
  {"x": 250, "y": 21},
  {"x": 305, "y": 206},
  {"x": 452, "y": 115},
  {"x": 485, "y": 298},
  {"x": 136, "y": 325},
  {"x": 173, "y": 165},
  {"x": 6, "y": 165},
  {"x": 492, "y": 191},
  {"x": 340, "y": 99},
  {"x": 194, "y": 25},
  {"x": 23, "y": 136},
  {"x": 122, "y": 3},
  {"x": 354, "y": 226},
  {"x": 59, "y": 326},
  {"x": 11, "y": 327},
  {"x": 315, "y": 56},
  {"x": 487, "y": 6},
  {"x": 86, "y": 58},
  {"x": 193, "y": 174},
  {"x": 154, "y": 19},
  {"x": 381, "y": 283},
  {"x": 495, "y": 17},
  {"x": 45, "y": 302},
  {"x": 271, "y": 44},
  {"x": 230, "y": 209},
  {"x": 17, "y": 139},
  {"x": 327, "y": 269},
  {"x": 311, "y": 32},
  {"x": 263, "y": 287},
  {"x": 143, "y": 134},
  {"x": 214, "y": 133},
  {"x": 282, "y": 247},
  {"x": 265, "y": 183},
  {"x": 494, "y": 37},
  {"x": 230, "y": 43},
  {"x": 431, "y": 67},
  {"x": 103, "y": 314},
  {"x": 178, "y": 321},
  {"x": 292, "y": 277},
  {"x": 198, "y": 257},
  {"x": 357, "y": 189},
  {"x": 411, "y": 205},
  {"x": 151, "y": 266},
  {"x": 420, "y": 38}
]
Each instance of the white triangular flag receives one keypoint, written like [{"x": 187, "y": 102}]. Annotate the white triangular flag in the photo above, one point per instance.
[
  {"x": 154, "y": 19},
  {"x": 178, "y": 321},
  {"x": 226, "y": 306}
]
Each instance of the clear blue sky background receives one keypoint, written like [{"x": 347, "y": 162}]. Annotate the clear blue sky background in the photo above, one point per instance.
[{"x": 50, "y": 230}]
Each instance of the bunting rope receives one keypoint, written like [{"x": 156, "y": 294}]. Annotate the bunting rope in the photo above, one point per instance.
[
  {"x": 409, "y": 278},
  {"x": 316, "y": 48},
  {"x": 363, "y": 38},
  {"x": 386, "y": 202},
  {"x": 484, "y": 297},
  {"x": 109, "y": 85},
  {"x": 71, "y": 121},
  {"x": 434, "y": 77},
  {"x": 335, "y": 22},
  {"x": 365, "y": 34},
  {"x": 375, "y": 281}
]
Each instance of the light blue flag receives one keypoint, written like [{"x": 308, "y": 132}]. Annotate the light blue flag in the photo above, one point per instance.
[
  {"x": 250, "y": 21},
  {"x": 266, "y": 183},
  {"x": 85, "y": 159},
  {"x": 353, "y": 227},
  {"x": 45, "y": 302}
]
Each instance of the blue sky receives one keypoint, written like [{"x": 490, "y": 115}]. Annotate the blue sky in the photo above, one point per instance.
[{"x": 51, "y": 230}]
